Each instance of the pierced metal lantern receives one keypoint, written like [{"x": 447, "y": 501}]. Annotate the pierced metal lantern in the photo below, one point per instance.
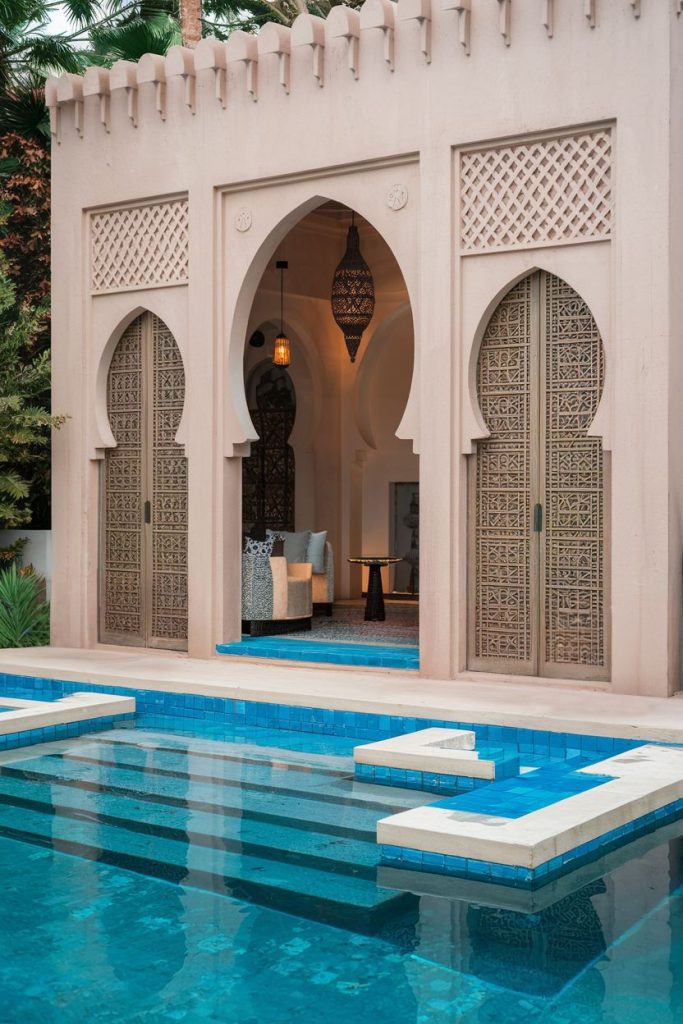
[
  {"x": 353, "y": 293},
  {"x": 281, "y": 353}
]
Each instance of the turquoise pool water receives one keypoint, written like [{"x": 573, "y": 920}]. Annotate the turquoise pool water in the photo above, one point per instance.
[{"x": 158, "y": 877}]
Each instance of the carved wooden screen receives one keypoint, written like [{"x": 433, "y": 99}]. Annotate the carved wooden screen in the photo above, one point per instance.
[
  {"x": 268, "y": 473},
  {"x": 143, "y": 565},
  {"x": 538, "y": 577}
]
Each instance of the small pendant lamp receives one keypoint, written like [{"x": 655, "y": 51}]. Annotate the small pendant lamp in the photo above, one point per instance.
[
  {"x": 281, "y": 354},
  {"x": 353, "y": 292}
]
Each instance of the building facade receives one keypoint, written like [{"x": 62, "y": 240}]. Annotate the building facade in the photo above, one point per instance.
[{"x": 516, "y": 165}]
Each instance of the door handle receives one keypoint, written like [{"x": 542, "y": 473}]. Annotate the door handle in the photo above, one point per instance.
[
  {"x": 538, "y": 518},
  {"x": 148, "y": 511}
]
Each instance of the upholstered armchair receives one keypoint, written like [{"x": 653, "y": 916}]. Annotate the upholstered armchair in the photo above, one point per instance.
[
  {"x": 323, "y": 584},
  {"x": 276, "y": 596}
]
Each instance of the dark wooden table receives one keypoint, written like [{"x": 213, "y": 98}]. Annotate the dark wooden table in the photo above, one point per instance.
[{"x": 374, "y": 604}]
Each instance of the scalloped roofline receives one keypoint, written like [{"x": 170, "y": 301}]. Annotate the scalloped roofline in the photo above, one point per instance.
[{"x": 388, "y": 17}]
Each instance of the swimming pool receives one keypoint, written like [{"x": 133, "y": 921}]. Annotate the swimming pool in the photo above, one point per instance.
[{"x": 153, "y": 876}]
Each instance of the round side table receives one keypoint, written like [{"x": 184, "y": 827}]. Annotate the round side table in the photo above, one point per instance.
[{"x": 374, "y": 605}]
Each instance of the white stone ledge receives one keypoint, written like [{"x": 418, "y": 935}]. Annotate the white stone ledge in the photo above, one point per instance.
[
  {"x": 77, "y": 707},
  {"x": 444, "y": 751},
  {"x": 644, "y": 780}
]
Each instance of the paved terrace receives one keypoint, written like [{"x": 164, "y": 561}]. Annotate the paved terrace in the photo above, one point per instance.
[{"x": 557, "y": 706}]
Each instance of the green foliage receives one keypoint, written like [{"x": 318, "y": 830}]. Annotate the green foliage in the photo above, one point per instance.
[
  {"x": 25, "y": 230},
  {"x": 24, "y": 615},
  {"x": 25, "y": 422},
  {"x": 12, "y": 554}
]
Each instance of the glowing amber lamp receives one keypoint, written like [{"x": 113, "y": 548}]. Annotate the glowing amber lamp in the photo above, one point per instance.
[
  {"x": 281, "y": 354},
  {"x": 281, "y": 350}
]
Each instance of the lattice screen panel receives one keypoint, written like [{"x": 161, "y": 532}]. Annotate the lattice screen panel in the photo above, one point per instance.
[
  {"x": 268, "y": 475},
  {"x": 139, "y": 246},
  {"x": 502, "y": 549},
  {"x": 537, "y": 193},
  {"x": 574, "y": 482}
]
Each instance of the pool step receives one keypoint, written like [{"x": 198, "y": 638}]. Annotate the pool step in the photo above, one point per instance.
[
  {"x": 234, "y": 749},
  {"x": 335, "y": 853},
  {"x": 296, "y": 837},
  {"x": 275, "y": 804},
  {"x": 400, "y": 657}
]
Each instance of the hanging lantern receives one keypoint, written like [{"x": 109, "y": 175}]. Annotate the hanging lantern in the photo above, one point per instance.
[
  {"x": 353, "y": 293},
  {"x": 281, "y": 353}
]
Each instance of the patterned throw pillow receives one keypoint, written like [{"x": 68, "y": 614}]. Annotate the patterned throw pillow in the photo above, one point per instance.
[{"x": 259, "y": 547}]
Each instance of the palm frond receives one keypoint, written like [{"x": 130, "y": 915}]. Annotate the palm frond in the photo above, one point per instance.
[{"x": 24, "y": 616}]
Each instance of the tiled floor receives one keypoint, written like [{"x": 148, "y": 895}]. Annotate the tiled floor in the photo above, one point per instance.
[
  {"x": 326, "y": 652},
  {"x": 347, "y": 624}
]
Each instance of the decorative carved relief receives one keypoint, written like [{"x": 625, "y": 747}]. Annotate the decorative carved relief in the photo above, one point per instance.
[
  {"x": 243, "y": 219},
  {"x": 573, "y": 498},
  {"x": 397, "y": 197},
  {"x": 144, "y": 558},
  {"x": 139, "y": 246},
  {"x": 501, "y": 552},
  {"x": 537, "y": 554},
  {"x": 168, "y": 614},
  {"x": 122, "y": 559},
  {"x": 509, "y": 194}
]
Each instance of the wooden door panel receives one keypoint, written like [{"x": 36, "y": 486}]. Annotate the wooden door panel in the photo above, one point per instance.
[
  {"x": 538, "y": 581},
  {"x": 500, "y": 632},
  {"x": 573, "y": 488},
  {"x": 143, "y": 564}
]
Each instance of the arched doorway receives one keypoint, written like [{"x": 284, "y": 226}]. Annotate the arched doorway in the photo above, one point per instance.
[
  {"x": 336, "y": 422},
  {"x": 143, "y": 518},
  {"x": 538, "y": 569},
  {"x": 268, "y": 483}
]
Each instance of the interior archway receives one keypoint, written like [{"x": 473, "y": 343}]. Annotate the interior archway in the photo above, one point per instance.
[{"x": 362, "y": 493}]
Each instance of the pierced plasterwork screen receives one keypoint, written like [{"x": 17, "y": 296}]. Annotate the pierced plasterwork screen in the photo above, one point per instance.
[
  {"x": 543, "y": 192},
  {"x": 538, "y": 577},
  {"x": 139, "y": 246},
  {"x": 143, "y": 564}
]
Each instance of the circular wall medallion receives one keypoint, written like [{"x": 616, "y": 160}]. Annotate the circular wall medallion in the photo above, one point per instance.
[
  {"x": 397, "y": 197},
  {"x": 243, "y": 219}
]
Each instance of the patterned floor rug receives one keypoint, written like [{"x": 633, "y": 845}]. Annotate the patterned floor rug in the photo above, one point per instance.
[{"x": 347, "y": 625}]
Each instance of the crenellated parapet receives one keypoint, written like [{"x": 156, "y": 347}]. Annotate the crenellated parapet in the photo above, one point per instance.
[{"x": 404, "y": 26}]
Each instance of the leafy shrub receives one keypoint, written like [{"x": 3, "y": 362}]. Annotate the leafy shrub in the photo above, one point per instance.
[
  {"x": 12, "y": 554},
  {"x": 24, "y": 615}
]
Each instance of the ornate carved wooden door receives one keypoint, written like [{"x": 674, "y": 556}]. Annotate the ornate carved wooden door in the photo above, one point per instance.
[
  {"x": 143, "y": 520},
  {"x": 538, "y": 576}
]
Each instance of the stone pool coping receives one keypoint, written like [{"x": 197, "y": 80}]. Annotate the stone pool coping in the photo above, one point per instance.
[
  {"x": 640, "y": 782},
  {"x": 29, "y": 715},
  {"x": 549, "y": 707}
]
